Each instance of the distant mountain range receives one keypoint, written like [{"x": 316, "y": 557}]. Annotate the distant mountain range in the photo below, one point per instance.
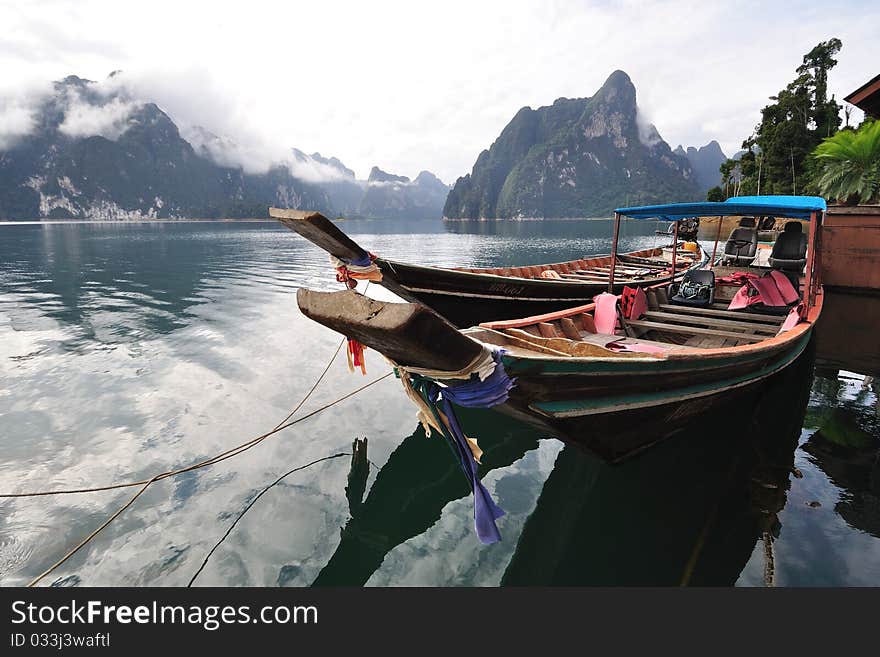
[
  {"x": 95, "y": 152},
  {"x": 93, "y": 155},
  {"x": 393, "y": 196},
  {"x": 577, "y": 157},
  {"x": 705, "y": 162}
]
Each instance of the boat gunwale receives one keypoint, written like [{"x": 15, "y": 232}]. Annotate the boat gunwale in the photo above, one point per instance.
[{"x": 546, "y": 282}]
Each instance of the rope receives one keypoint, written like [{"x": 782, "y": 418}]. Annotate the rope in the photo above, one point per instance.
[
  {"x": 222, "y": 456},
  {"x": 91, "y": 536},
  {"x": 147, "y": 482},
  {"x": 253, "y": 501},
  {"x": 483, "y": 365},
  {"x": 216, "y": 459}
]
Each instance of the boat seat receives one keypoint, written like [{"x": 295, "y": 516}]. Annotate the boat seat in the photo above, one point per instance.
[
  {"x": 742, "y": 246},
  {"x": 697, "y": 288},
  {"x": 790, "y": 249}
]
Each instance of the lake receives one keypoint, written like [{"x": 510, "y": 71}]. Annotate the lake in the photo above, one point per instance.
[{"x": 129, "y": 349}]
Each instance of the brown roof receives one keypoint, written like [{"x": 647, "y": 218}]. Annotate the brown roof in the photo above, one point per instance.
[{"x": 867, "y": 97}]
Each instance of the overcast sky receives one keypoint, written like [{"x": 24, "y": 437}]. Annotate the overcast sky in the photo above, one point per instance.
[{"x": 410, "y": 85}]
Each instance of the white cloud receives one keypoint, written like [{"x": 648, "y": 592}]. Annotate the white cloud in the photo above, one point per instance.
[
  {"x": 19, "y": 106},
  {"x": 82, "y": 118},
  {"x": 214, "y": 124},
  {"x": 648, "y": 134},
  {"x": 16, "y": 120},
  {"x": 311, "y": 170},
  {"x": 418, "y": 86}
]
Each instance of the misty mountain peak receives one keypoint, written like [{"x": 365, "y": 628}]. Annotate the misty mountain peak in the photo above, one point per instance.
[
  {"x": 334, "y": 163},
  {"x": 379, "y": 176},
  {"x": 618, "y": 87},
  {"x": 75, "y": 81},
  {"x": 428, "y": 178},
  {"x": 706, "y": 162},
  {"x": 578, "y": 157}
]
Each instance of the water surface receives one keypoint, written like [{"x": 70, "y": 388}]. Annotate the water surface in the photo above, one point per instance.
[{"x": 127, "y": 349}]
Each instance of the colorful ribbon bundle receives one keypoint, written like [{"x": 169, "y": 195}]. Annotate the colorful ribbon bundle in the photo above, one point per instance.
[
  {"x": 355, "y": 354},
  {"x": 352, "y": 271},
  {"x": 349, "y": 273},
  {"x": 437, "y": 410}
]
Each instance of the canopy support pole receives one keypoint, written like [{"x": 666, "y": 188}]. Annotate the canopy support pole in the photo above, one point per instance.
[
  {"x": 614, "y": 252},
  {"x": 812, "y": 275},
  {"x": 717, "y": 237},
  {"x": 674, "y": 248}
]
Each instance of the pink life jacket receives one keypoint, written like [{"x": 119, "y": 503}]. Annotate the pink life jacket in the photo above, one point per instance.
[
  {"x": 605, "y": 314},
  {"x": 772, "y": 289},
  {"x": 786, "y": 289}
]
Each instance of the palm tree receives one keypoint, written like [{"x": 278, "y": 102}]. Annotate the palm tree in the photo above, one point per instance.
[{"x": 849, "y": 165}]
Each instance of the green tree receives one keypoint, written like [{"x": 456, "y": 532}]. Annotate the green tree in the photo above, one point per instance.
[
  {"x": 716, "y": 194},
  {"x": 816, "y": 64},
  {"x": 848, "y": 165},
  {"x": 777, "y": 158}
]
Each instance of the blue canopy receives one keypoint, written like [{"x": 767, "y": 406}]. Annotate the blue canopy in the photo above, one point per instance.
[{"x": 792, "y": 207}]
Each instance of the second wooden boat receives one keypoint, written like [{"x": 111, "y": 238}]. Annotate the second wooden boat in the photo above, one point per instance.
[{"x": 468, "y": 296}]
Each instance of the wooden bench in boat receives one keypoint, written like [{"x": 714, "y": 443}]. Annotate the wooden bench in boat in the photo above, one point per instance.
[
  {"x": 687, "y": 319},
  {"x": 714, "y": 312},
  {"x": 669, "y": 326},
  {"x": 693, "y": 330}
]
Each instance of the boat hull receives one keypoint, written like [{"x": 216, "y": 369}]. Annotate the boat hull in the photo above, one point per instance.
[
  {"x": 617, "y": 414},
  {"x": 467, "y": 298},
  {"x": 612, "y": 404}
]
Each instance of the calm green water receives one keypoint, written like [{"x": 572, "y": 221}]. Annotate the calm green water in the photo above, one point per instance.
[{"x": 130, "y": 349}]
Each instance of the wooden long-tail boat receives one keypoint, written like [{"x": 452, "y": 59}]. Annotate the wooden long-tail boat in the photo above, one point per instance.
[
  {"x": 600, "y": 390},
  {"x": 467, "y": 296}
]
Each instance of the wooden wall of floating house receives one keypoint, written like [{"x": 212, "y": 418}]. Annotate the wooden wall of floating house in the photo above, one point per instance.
[{"x": 851, "y": 247}]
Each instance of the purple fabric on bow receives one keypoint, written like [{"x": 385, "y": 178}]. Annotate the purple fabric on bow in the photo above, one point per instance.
[
  {"x": 475, "y": 394},
  {"x": 365, "y": 261}
]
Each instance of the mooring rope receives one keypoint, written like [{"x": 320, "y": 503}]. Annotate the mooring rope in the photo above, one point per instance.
[
  {"x": 253, "y": 501},
  {"x": 234, "y": 451},
  {"x": 145, "y": 483}
]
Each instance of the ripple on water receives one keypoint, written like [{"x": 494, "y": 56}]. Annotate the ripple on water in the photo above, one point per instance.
[{"x": 16, "y": 547}]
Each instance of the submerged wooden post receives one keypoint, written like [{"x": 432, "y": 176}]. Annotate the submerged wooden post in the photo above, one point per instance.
[
  {"x": 614, "y": 252},
  {"x": 717, "y": 237}
]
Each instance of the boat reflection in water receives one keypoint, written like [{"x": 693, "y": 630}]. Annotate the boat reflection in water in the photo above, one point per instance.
[
  {"x": 845, "y": 408},
  {"x": 688, "y": 511},
  {"x": 410, "y": 491}
]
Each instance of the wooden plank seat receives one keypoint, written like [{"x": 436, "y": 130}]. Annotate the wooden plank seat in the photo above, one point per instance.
[
  {"x": 693, "y": 330},
  {"x": 586, "y": 277},
  {"x": 754, "y": 327},
  {"x": 711, "y": 312},
  {"x": 642, "y": 263}
]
